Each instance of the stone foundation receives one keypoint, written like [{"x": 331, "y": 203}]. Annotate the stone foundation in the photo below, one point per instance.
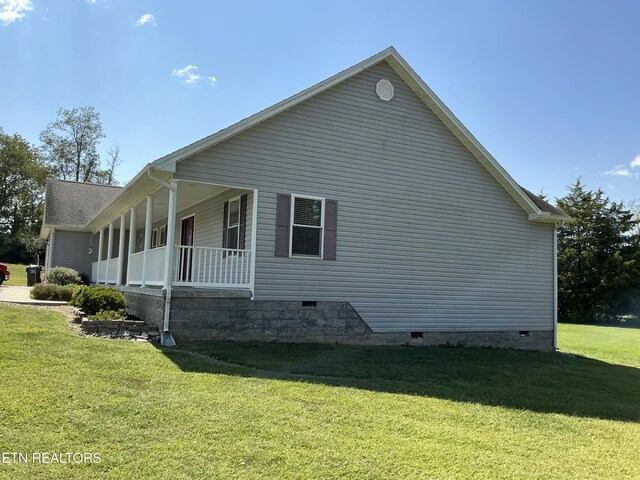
[
  {"x": 120, "y": 329},
  {"x": 199, "y": 314}
]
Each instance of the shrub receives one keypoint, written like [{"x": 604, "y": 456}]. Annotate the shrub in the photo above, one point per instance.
[
  {"x": 63, "y": 276},
  {"x": 52, "y": 292},
  {"x": 108, "y": 315},
  {"x": 94, "y": 299}
]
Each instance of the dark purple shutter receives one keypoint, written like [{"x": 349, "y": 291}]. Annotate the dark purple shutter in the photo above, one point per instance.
[
  {"x": 225, "y": 227},
  {"x": 243, "y": 222},
  {"x": 283, "y": 219},
  {"x": 330, "y": 229}
]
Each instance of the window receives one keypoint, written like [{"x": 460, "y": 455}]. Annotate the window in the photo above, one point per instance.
[
  {"x": 307, "y": 226},
  {"x": 140, "y": 241},
  {"x": 154, "y": 238},
  {"x": 162, "y": 240},
  {"x": 233, "y": 223}
]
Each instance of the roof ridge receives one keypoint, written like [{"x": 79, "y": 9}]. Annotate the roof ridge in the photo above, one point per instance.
[{"x": 78, "y": 182}]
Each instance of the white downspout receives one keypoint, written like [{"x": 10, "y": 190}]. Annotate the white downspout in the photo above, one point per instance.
[
  {"x": 254, "y": 237},
  {"x": 555, "y": 286},
  {"x": 165, "y": 338}
]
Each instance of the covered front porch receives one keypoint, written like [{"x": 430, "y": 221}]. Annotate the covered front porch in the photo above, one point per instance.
[{"x": 165, "y": 232}]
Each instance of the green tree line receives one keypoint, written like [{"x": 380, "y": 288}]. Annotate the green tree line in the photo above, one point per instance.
[
  {"x": 68, "y": 151},
  {"x": 598, "y": 259}
]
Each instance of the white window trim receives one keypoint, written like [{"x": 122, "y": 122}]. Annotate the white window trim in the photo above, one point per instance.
[
  {"x": 234, "y": 199},
  {"x": 154, "y": 238},
  {"x": 291, "y": 225},
  {"x": 163, "y": 228}
]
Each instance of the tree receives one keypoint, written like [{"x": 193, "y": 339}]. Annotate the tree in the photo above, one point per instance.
[
  {"x": 69, "y": 145},
  {"x": 112, "y": 163},
  {"x": 22, "y": 179},
  {"x": 598, "y": 258}
]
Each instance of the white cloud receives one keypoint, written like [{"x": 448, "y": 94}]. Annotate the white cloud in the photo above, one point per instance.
[
  {"x": 92, "y": 2},
  {"x": 635, "y": 162},
  {"x": 619, "y": 171},
  {"x": 188, "y": 73},
  {"x": 212, "y": 80},
  {"x": 144, "y": 19},
  {"x": 12, "y": 10}
]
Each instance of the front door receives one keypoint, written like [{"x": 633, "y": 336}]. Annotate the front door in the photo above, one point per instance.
[{"x": 186, "y": 254}]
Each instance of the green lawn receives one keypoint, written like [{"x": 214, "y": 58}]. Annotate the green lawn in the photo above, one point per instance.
[
  {"x": 18, "y": 275},
  {"x": 303, "y": 411}
]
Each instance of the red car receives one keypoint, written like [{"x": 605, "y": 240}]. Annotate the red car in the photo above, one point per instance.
[{"x": 4, "y": 273}]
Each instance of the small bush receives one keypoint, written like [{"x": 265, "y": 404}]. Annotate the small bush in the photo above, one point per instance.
[
  {"x": 63, "y": 276},
  {"x": 52, "y": 292},
  {"x": 94, "y": 299},
  {"x": 109, "y": 315}
]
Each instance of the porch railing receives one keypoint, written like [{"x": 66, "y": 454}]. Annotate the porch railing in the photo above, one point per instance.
[
  {"x": 155, "y": 267},
  {"x": 105, "y": 271},
  {"x": 212, "y": 267}
]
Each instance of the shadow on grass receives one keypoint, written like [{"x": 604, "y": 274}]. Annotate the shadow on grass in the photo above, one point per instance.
[{"x": 540, "y": 382}]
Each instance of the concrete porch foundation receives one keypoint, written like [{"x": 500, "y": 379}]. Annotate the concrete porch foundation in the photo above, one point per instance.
[{"x": 203, "y": 314}]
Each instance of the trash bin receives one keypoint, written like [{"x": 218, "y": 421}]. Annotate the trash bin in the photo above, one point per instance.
[{"x": 33, "y": 275}]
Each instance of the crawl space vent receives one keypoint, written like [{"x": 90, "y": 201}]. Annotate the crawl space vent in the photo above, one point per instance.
[{"x": 384, "y": 90}]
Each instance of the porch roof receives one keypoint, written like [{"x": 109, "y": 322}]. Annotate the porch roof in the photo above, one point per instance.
[{"x": 189, "y": 193}]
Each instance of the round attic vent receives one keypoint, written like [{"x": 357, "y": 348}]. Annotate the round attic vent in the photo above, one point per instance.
[{"x": 384, "y": 89}]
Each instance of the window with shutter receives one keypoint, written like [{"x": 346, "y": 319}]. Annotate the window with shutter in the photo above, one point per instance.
[{"x": 307, "y": 226}]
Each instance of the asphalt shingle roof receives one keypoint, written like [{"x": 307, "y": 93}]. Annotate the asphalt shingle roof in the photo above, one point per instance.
[
  {"x": 74, "y": 203},
  {"x": 543, "y": 204}
]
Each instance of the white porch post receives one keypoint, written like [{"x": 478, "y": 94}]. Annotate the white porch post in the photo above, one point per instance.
[
  {"x": 109, "y": 251},
  {"x": 100, "y": 246},
  {"x": 171, "y": 226},
  {"x": 254, "y": 236},
  {"x": 121, "y": 249},
  {"x": 147, "y": 238},
  {"x": 132, "y": 241}
]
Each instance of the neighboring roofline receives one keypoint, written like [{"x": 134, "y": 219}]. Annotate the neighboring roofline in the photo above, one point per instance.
[
  {"x": 83, "y": 183},
  {"x": 45, "y": 228},
  {"x": 402, "y": 68}
]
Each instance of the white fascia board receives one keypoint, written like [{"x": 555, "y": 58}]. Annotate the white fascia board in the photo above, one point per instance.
[
  {"x": 404, "y": 70},
  {"x": 546, "y": 217},
  {"x": 128, "y": 189}
]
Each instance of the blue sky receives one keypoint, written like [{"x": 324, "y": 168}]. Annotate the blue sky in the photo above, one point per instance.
[{"x": 551, "y": 89}]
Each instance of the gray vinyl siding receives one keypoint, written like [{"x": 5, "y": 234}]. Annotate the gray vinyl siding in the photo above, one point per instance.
[
  {"x": 427, "y": 238},
  {"x": 71, "y": 249}
]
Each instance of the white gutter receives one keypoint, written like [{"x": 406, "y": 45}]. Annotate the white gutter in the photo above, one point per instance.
[
  {"x": 555, "y": 286},
  {"x": 166, "y": 339}
]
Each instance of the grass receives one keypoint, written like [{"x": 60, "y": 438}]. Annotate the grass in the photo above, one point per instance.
[
  {"x": 18, "y": 274},
  {"x": 610, "y": 344},
  {"x": 305, "y": 411}
]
